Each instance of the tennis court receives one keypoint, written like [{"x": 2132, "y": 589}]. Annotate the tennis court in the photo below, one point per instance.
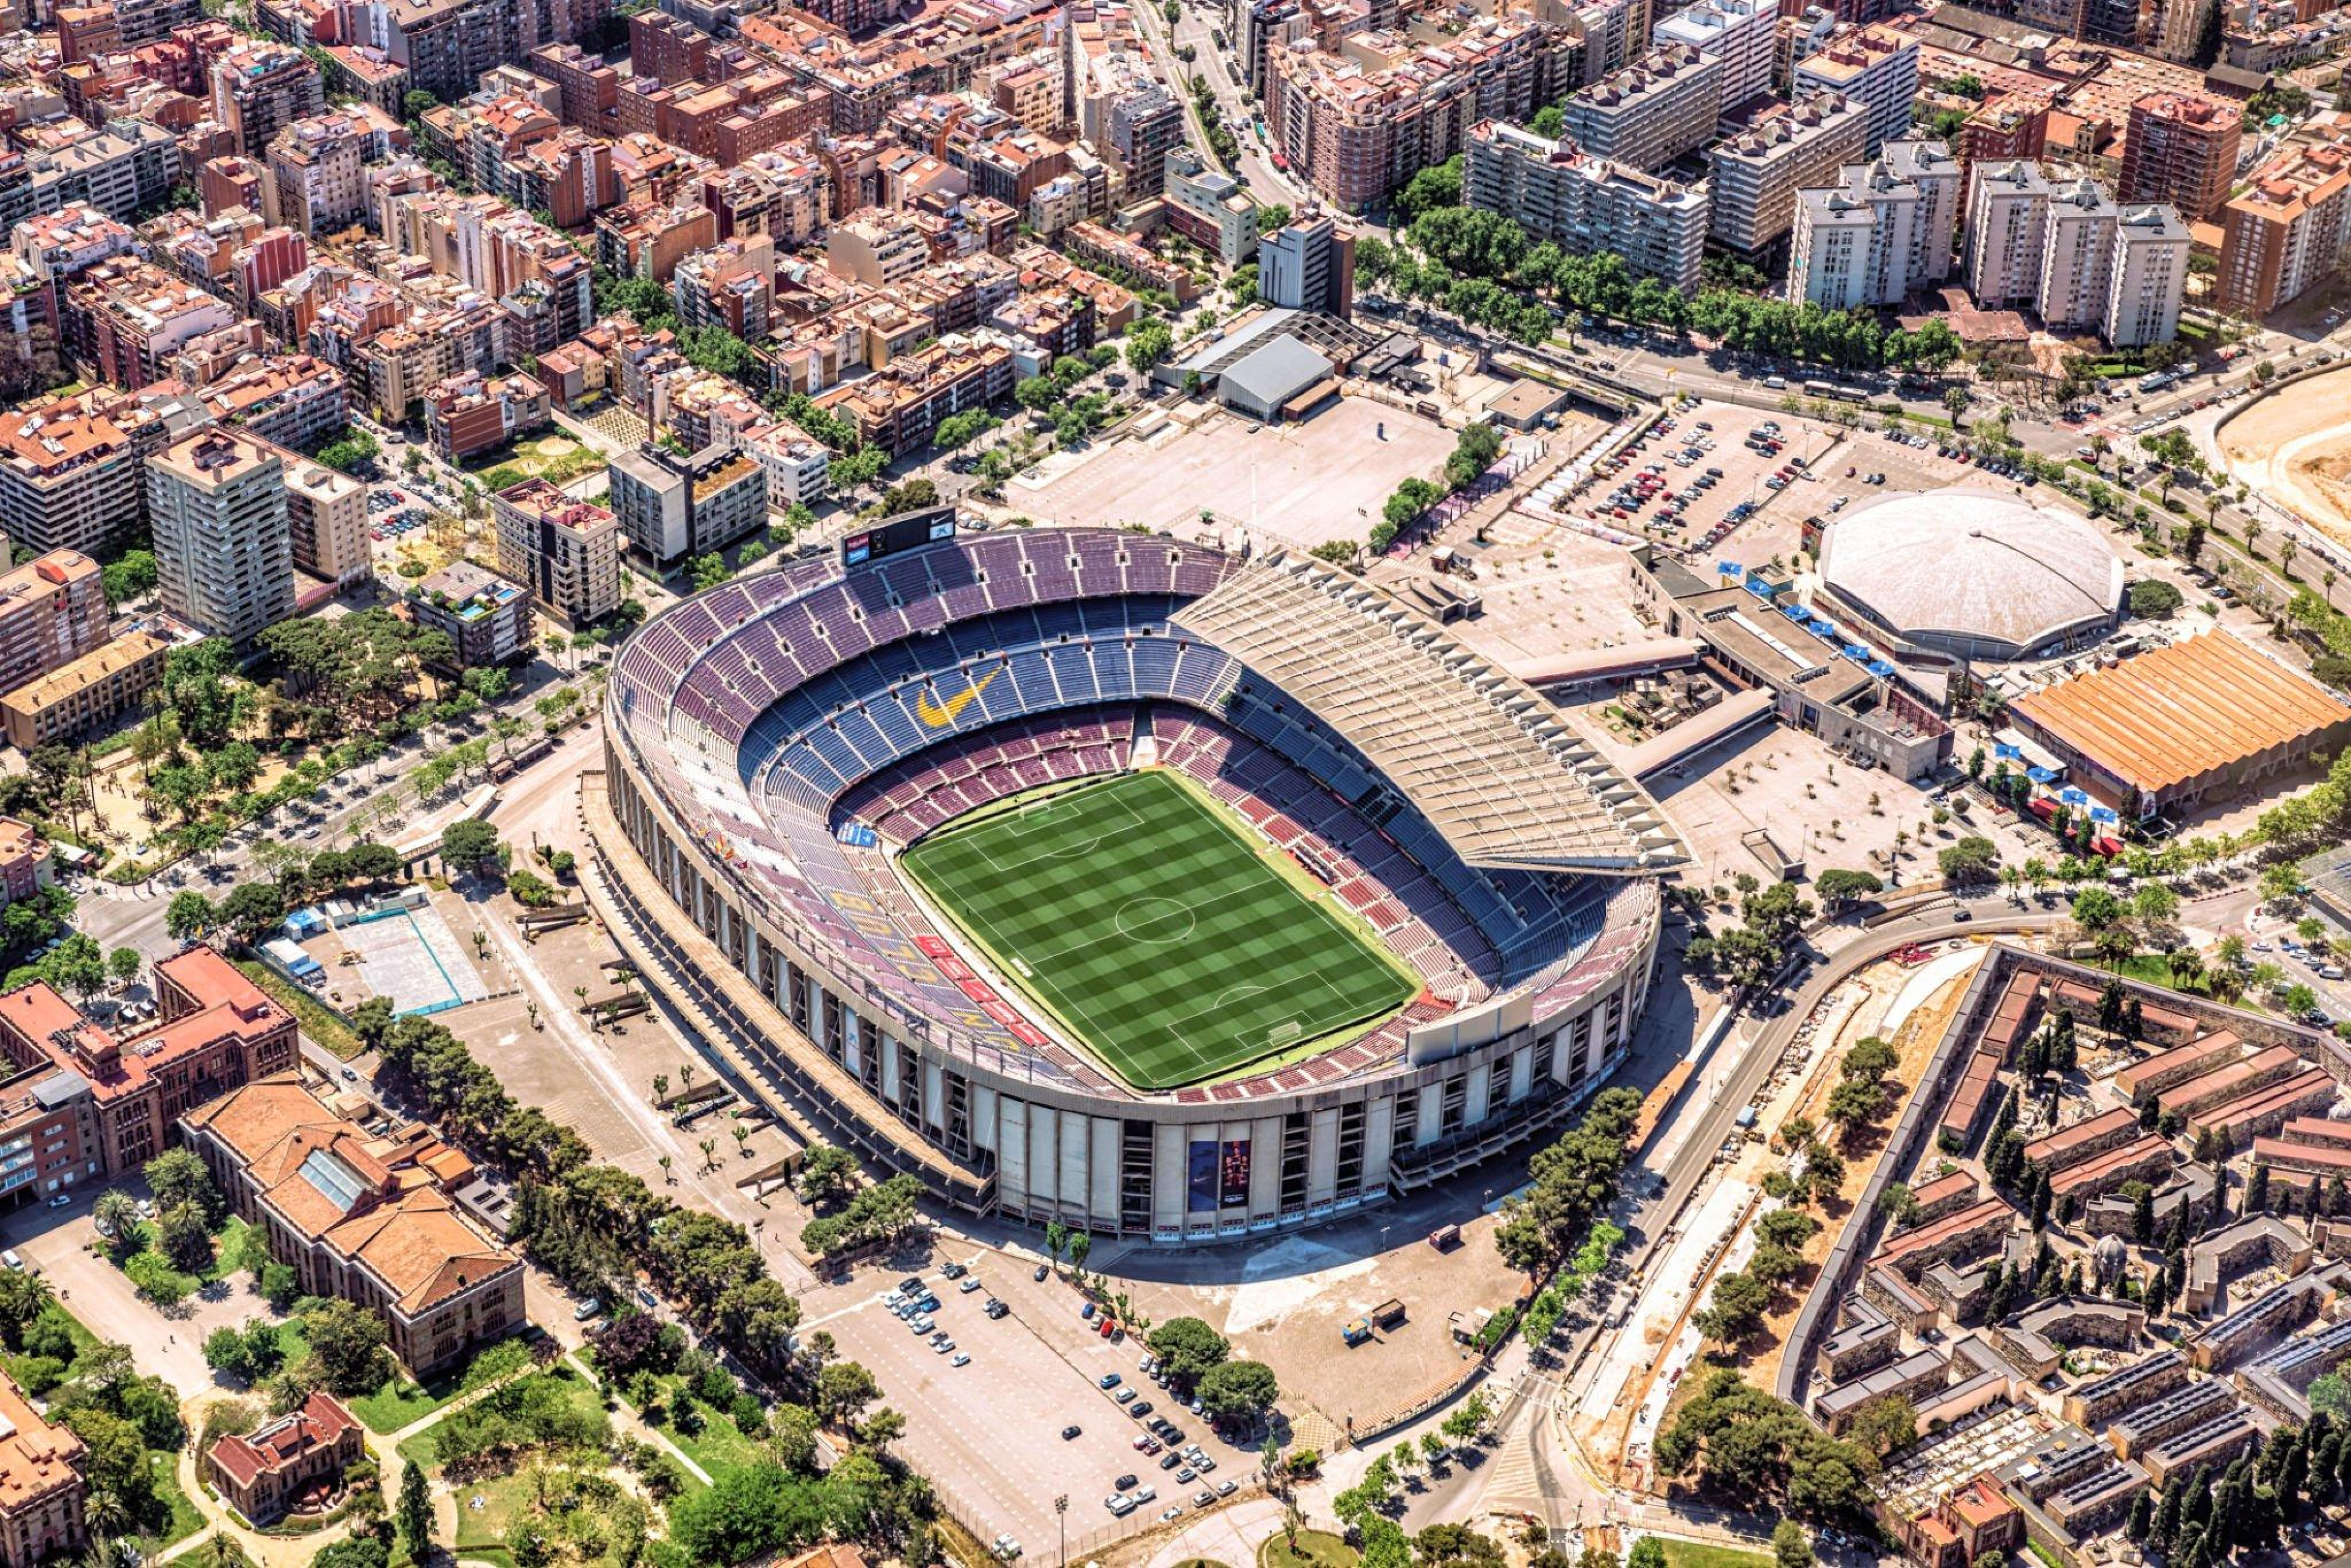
[
  {"x": 413, "y": 959},
  {"x": 1144, "y": 919}
]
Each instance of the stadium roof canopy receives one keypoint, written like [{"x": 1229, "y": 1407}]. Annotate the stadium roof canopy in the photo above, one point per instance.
[{"x": 1476, "y": 751}]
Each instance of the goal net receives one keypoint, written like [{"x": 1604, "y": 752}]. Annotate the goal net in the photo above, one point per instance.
[{"x": 1285, "y": 1032}]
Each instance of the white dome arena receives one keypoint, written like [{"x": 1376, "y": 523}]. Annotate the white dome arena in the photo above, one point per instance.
[{"x": 1971, "y": 574}]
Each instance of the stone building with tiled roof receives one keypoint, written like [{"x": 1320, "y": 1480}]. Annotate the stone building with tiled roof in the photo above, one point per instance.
[
  {"x": 366, "y": 1218},
  {"x": 264, "y": 1473},
  {"x": 42, "y": 1491}
]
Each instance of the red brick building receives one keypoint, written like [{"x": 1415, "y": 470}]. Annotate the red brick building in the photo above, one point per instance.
[{"x": 264, "y": 1473}]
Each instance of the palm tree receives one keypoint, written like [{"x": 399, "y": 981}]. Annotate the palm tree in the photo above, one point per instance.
[
  {"x": 660, "y": 1087},
  {"x": 686, "y": 1078},
  {"x": 2287, "y": 549},
  {"x": 2252, "y": 537},
  {"x": 665, "y": 1162},
  {"x": 709, "y": 1153}
]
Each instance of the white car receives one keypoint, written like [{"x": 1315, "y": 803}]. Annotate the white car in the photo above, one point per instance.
[
  {"x": 960, "y": 1358},
  {"x": 1119, "y": 1504}
]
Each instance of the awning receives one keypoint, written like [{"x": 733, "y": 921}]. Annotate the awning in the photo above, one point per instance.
[
  {"x": 1856, "y": 652},
  {"x": 1880, "y": 668},
  {"x": 1760, "y": 588},
  {"x": 1729, "y": 568},
  {"x": 1795, "y": 613}
]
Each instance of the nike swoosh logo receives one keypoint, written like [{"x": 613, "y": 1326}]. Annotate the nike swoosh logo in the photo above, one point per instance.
[{"x": 939, "y": 714}]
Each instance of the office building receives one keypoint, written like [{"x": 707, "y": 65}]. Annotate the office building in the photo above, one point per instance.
[
  {"x": 1206, "y": 206},
  {"x": 326, "y": 522},
  {"x": 1651, "y": 112},
  {"x": 672, "y": 508},
  {"x": 567, "y": 552},
  {"x": 1588, "y": 206},
  {"x": 1877, "y": 68},
  {"x": 1740, "y": 33},
  {"x": 1309, "y": 264},
  {"x": 2284, "y": 234},
  {"x": 1758, "y": 170},
  {"x": 2180, "y": 151},
  {"x": 2148, "y": 277},
  {"x": 216, "y": 502},
  {"x": 2008, "y": 223}
]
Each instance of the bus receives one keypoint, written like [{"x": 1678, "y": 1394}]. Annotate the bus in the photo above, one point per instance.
[{"x": 1831, "y": 390}]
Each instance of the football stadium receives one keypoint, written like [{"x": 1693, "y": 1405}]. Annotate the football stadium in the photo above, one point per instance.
[{"x": 1094, "y": 876}]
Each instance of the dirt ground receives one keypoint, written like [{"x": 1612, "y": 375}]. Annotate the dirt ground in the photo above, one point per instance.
[{"x": 2294, "y": 448}]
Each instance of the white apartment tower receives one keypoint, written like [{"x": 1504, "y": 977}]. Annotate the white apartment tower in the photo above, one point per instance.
[
  {"x": 1740, "y": 33},
  {"x": 1875, "y": 67},
  {"x": 2008, "y": 218},
  {"x": 1879, "y": 233},
  {"x": 2077, "y": 253},
  {"x": 222, "y": 547},
  {"x": 2149, "y": 273}
]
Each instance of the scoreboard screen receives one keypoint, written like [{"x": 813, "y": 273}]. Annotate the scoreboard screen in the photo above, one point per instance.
[{"x": 896, "y": 535}]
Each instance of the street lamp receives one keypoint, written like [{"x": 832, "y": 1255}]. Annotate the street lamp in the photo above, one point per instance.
[{"x": 1061, "y": 1520}]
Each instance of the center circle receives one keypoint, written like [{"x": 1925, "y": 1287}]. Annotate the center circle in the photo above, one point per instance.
[{"x": 1155, "y": 920}]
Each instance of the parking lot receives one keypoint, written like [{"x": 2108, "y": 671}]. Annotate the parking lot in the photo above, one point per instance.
[{"x": 994, "y": 1446}]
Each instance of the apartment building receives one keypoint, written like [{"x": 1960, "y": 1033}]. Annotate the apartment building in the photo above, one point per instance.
[
  {"x": 1142, "y": 125},
  {"x": 361, "y": 1218},
  {"x": 1877, "y": 67},
  {"x": 783, "y": 195},
  {"x": 799, "y": 469},
  {"x": 1309, "y": 264},
  {"x": 53, "y": 609},
  {"x": 126, "y": 317},
  {"x": 567, "y": 552},
  {"x": 130, "y": 165},
  {"x": 1588, "y": 206},
  {"x": 110, "y": 680},
  {"x": 2077, "y": 253},
  {"x": 1740, "y": 33},
  {"x": 70, "y": 468},
  {"x": 471, "y": 413},
  {"x": 217, "y": 1029},
  {"x": 898, "y": 407},
  {"x": 294, "y": 401},
  {"x": 2148, "y": 277},
  {"x": 2014, "y": 128},
  {"x": 317, "y": 167},
  {"x": 1652, "y": 111},
  {"x": 326, "y": 522},
  {"x": 444, "y": 45},
  {"x": 217, "y": 503},
  {"x": 2008, "y": 223},
  {"x": 1355, "y": 127},
  {"x": 2180, "y": 151},
  {"x": 260, "y": 88},
  {"x": 1757, "y": 172},
  {"x": 1206, "y": 206},
  {"x": 2284, "y": 236},
  {"x": 485, "y": 618},
  {"x": 1881, "y": 232},
  {"x": 673, "y": 508}
]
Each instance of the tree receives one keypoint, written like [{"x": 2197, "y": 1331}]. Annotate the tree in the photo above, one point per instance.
[
  {"x": 1649, "y": 1551},
  {"x": 349, "y": 1340},
  {"x": 123, "y": 964},
  {"x": 181, "y": 1236},
  {"x": 1840, "y": 888},
  {"x": 252, "y": 908},
  {"x": 844, "y": 1390},
  {"x": 2155, "y": 598},
  {"x": 1791, "y": 1546},
  {"x": 469, "y": 844},
  {"x": 830, "y": 1176},
  {"x": 1241, "y": 1391},
  {"x": 1970, "y": 861},
  {"x": 1735, "y": 1309},
  {"x": 1187, "y": 1348},
  {"x": 189, "y": 916},
  {"x": 116, "y": 1216},
  {"x": 177, "y": 1178},
  {"x": 414, "y": 1513},
  {"x": 1147, "y": 345}
]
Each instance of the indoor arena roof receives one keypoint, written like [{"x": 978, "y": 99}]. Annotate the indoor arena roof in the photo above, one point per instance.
[{"x": 1476, "y": 752}]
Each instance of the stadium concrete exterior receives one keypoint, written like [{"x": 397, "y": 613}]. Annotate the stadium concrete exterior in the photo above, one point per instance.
[{"x": 746, "y": 826}]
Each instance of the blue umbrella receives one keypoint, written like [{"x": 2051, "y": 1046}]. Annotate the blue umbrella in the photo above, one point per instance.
[
  {"x": 1856, "y": 652},
  {"x": 2104, "y": 814},
  {"x": 2007, "y": 753},
  {"x": 1879, "y": 667},
  {"x": 2041, "y": 774},
  {"x": 2073, "y": 797},
  {"x": 1795, "y": 613},
  {"x": 1728, "y": 567}
]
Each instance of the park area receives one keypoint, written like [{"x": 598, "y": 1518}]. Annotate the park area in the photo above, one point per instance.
[
  {"x": 1139, "y": 916},
  {"x": 557, "y": 459},
  {"x": 1323, "y": 479}
]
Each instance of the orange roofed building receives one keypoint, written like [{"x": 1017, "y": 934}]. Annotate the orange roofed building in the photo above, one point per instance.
[
  {"x": 217, "y": 1030},
  {"x": 264, "y": 1474},
  {"x": 369, "y": 1219},
  {"x": 41, "y": 1487}
]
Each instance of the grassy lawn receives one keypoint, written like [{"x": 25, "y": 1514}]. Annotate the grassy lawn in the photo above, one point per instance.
[
  {"x": 581, "y": 1510},
  {"x": 235, "y": 1245},
  {"x": 1699, "y": 1554},
  {"x": 425, "y": 1450},
  {"x": 185, "y": 1519},
  {"x": 718, "y": 1443},
  {"x": 552, "y": 457},
  {"x": 403, "y": 1400},
  {"x": 1314, "y": 1550}
]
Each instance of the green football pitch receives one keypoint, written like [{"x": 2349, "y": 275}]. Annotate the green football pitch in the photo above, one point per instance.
[{"x": 1137, "y": 913}]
